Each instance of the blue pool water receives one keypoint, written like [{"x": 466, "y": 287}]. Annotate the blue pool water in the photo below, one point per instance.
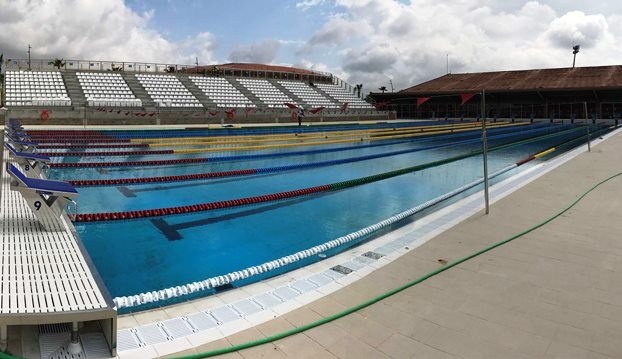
[{"x": 142, "y": 255}]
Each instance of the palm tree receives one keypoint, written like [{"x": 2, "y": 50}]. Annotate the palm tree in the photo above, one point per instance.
[
  {"x": 58, "y": 63},
  {"x": 382, "y": 88}
]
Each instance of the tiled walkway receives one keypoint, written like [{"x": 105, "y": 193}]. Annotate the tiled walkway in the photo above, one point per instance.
[{"x": 555, "y": 292}]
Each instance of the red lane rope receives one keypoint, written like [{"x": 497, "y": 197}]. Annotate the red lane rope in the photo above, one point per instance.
[
  {"x": 90, "y": 217},
  {"x": 120, "y": 145},
  {"x": 76, "y": 140},
  {"x": 100, "y": 153},
  {"x": 130, "y": 163},
  {"x": 196, "y": 176}
]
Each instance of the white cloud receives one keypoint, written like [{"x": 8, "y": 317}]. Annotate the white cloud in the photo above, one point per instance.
[
  {"x": 91, "y": 29},
  {"x": 306, "y": 4},
  {"x": 409, "y": 42},
  {"x": 263, "y": 52}
]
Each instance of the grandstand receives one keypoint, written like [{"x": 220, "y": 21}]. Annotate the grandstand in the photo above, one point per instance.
[
  {"x": 167, "y": 91},
  {"x": 36, "y": 88},
  {"x": 221, "y": 92},
  {"x": 106, "y": 89},
  {"x": 308, "y": 94},
  {"x": 176, "y": 94},
  {"x": 266, "y": 92},
  {"x": 341, "y": 95}
]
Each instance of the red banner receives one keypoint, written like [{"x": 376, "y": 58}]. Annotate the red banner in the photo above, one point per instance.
[
  {"x": 465, "y": 97},
  {"x": 290, "y": 105},
  {"x": 344, "y": 107},
  {"x": 316, "y": 110},
  {"x": 421, "y": 101},
  {"x": 214, "y": 113}
]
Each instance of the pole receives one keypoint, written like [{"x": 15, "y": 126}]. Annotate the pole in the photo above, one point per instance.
[
  {"x": 29, "y": 57},
  {"x": 485, "y": 152},
  {"x": 587, "y": 127}
]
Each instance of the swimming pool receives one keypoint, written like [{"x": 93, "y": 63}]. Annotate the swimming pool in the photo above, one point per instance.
[{"x": 165, "y": 251}]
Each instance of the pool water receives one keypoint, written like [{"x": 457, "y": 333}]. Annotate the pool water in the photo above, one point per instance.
[{"x": 143, "y": 255}]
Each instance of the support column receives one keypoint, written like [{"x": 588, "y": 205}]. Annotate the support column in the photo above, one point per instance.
[
  {"x": 4, "y": 337},
  {"x": 74, "y": 345}
]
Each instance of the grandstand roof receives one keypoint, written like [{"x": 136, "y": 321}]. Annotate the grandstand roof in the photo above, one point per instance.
[
  {"x": 560, "y": 79},
  {"x": 258, "y": 67},
  {"x": 261, "y": 67}
]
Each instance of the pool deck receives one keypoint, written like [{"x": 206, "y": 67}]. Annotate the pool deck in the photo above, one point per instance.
[{"x": 553, "y": 293}]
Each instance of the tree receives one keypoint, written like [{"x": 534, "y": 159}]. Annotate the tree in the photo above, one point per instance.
[
  {"x": 382, "y": 88},
  {"x": 116, "y": 68},
  {"x": 216, "y": 71},
  {"x": 170, "y": 69},
  {"x": 58, "y": 63},
  {"x": 358, "y": 88}
]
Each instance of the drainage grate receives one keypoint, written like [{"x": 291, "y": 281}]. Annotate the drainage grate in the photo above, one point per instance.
[
  {"x": 151, "y": 334},
  {"x": 267, "y": 300},
  {"x": 54, "y": 328},
  {"x": 373, "y": 255},
  {"x": 246, "y": 307},
  {"x": 177, "y": 327},
  {"x": 126, "y": 340},
  {"x": 95, "y": 345},
  {"x": 341, "y": 269},
  {"x": 224, "y": 314},
  {"x": 202, "y": 321},
  {"x": 285, "y": 293}
]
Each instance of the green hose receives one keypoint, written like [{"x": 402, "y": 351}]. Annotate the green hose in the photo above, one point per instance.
[{"x": 369, "y": 302}]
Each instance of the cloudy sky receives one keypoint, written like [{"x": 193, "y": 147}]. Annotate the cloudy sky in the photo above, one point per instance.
[{"x": 361, "y": 41}]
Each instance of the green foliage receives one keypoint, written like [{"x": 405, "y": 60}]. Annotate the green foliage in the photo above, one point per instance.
[{"x": 58, "y": 63}]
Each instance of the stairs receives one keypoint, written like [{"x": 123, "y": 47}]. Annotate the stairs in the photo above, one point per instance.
[
  {"x": 139, "y": 91},
  {"x": 246, "y": 92},
  {"x": 74, "y": 90},
  {"x": 196, "y": 91},
  {"x": 297, "y": 100}
]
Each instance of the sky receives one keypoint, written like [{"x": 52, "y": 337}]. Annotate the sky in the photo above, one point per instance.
[{"x": 373, "y": 42}]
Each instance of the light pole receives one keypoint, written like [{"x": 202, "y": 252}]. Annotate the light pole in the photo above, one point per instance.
[
  {"x": 485, "y": 152},
  {"x": 29, "y": 56},
  {"x": 575, "y": 51}
]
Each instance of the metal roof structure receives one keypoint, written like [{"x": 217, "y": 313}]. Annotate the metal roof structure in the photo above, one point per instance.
[{"x": 564, "y": 79}]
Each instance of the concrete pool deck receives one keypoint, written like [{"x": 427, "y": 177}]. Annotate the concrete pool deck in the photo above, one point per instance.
[{"x": 555, "y": 292}]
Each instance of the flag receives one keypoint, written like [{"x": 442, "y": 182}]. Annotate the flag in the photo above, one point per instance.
[
  {"x": 248, "y": 110},
  {"x": 290, "y": 105},
  {"x": 381, "y": 105},
  {"x": 344, "y": 107},
  {"x": 214, "y": 113},
  {"x": 421, "y": 101},
  {"x": 316, "y": 110},
  {"x": 465, "y": 97}
]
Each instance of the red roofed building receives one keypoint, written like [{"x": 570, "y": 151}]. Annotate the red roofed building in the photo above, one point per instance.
[
  {"x": 542, "y": 93},
  {"x": 262, "y": 71}
]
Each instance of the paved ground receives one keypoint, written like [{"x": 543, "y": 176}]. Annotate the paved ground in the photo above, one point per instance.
[{"x": 553, "y": 293}]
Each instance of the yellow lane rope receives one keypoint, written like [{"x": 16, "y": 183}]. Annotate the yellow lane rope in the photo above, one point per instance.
[
  {"x": 357, "y": 136},
  {"x": 292, "y": 135},
  {"x": 349, "y": 140}
]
